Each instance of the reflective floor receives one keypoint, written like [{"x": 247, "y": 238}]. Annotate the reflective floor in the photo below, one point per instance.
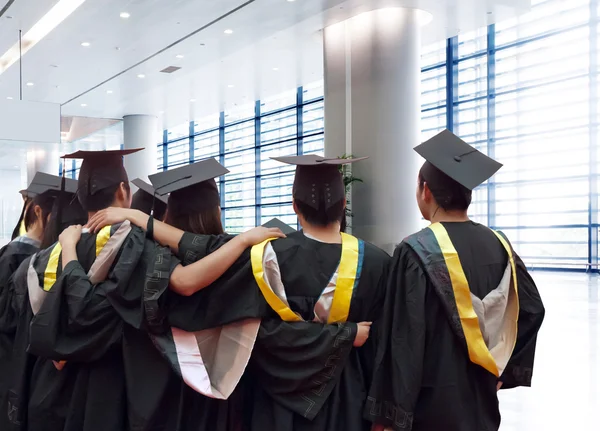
[{"x": 566, "y": 383}]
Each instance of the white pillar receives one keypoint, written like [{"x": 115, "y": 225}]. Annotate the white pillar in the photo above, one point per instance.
[
  {"x": 141, "y": 131},
  {"x": 46, "y": 161},
  {"x": 372, "y": 108}
]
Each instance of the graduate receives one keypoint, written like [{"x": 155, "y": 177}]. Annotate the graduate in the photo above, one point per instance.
[
  {"x": 310, "y": 289},
  {"x": 44, "y": 189},
  {"x": 32, "y": 378},
  {"x": 146, "y": 200},
  {"x": 461, "y": 311},
  {"x": 77, "y": 331}
]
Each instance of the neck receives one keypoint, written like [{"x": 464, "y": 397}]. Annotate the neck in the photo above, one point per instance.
[
  {"x": 449, "y": 216},
  {"x": 329, "y": 234},
  {"x": 36, "y": 232}
]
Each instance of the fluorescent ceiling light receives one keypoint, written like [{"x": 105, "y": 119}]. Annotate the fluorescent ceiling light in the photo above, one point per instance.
[
  {"x": 40, "y": 29},
  {"x": 230, "y": 86},
  {"x": 275, "y": 69},
  {"x": 9, "y": 98},
  {"x": 179, "y": 56},
  {"x": 124, "y": 15},
  {"x": 30, "y": 84},
  {"x": 141, "y": 76},
  {"x": 109, "y": 91},
  {"x": 86, "y": 44},
  {"x": 228, "y": 31},
  {"x": 83, "y": 105},
  {"x": 192, "y": 100}
]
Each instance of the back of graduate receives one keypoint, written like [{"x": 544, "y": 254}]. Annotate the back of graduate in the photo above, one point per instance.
[{"x": 461, "y": 312}]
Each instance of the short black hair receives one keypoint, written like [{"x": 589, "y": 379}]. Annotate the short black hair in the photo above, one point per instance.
[
  {"x": 102, "y": 199},
  {"x": 449, "y": 194},
  {"x": 322, "y": 217},
  {"x": 44, "y": 201},
  {"x": 71, "y": 214}
]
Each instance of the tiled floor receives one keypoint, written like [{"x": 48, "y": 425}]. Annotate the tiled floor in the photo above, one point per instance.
[{"x": 566, "y": 385}]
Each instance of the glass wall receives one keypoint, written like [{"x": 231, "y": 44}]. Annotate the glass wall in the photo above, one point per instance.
[
  {"x": 525, "y": 91},
  {"x": 244, "y": 139}
]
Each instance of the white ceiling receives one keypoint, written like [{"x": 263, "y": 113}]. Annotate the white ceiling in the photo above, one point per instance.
[{"x": 267, "y": 34}]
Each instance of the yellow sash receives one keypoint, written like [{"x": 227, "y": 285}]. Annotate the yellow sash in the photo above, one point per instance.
[
  {"x": 478, "y": 350},
  {"x": 22, "y": 229},
  {"x": 347, "y": 273},
  {"x": 52, "y": 265}
]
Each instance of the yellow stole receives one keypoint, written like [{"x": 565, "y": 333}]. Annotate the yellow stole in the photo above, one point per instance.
[
  {"x": 348, "y": 270},
  {"x": 477, "y": 348}
]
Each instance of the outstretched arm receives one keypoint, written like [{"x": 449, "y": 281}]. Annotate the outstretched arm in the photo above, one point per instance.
[
  {"x": 187, "y": 280},
  {"x": 164, "y": 234}
]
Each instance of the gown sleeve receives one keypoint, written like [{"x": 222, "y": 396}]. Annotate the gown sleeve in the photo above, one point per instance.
[
  {"x": 519, "y": 369},
  {"x": 194, "y": 247},
  {"x": 299, "y": 363},
  {"x": 398, "y": 367}
]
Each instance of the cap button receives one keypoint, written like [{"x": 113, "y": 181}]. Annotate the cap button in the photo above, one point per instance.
[{"x": 457, "y": 159}]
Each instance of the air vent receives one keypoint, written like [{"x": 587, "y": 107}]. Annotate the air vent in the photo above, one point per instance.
[{"x": 170, "y": 69}]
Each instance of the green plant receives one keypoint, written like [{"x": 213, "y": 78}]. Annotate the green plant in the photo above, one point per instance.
[{"x": 349, "y": 179}]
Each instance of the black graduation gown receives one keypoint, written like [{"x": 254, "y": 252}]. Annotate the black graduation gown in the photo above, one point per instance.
[
  {"x": 11, "y": 256},
  {"x": 423, "y": 377},
  {"x": 82, "y": 328},
  {"x": 115, "y": 313},
  {"x": 301, "y": 377}
]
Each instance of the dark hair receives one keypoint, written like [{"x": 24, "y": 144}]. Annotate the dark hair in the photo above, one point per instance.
[
  {"x": 449, "y": 195},
  {"x": 322, "y": 217},
  {"x": 72, "y": 213},
  {"x": 17, "y": 229},
  {"x": 143, "y": 201},
  {"x": 204, "y": 222},
  {"x": 45, "y": 202},
  {"x": 102, "y": 199}
]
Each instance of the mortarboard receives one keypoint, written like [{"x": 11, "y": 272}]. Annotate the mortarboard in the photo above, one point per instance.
[
  {"x": 100, "y": 169},
  {"x": 147, "y": 188},
  {"x": 458, "y": 160},
  {"x": 147, "y": 201},
  {"x": 318, "y": 179},
  {"x": 43, "y": 182},
  {"x": 275, "y": 222},
  {"x": 26, "y": 194},
  {"x": 192, "y": 187}
]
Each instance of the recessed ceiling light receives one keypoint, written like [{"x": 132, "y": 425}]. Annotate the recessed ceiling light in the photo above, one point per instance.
[
  {"x": 291, "y": 1},
  {"x": 9, "y": 98},
  {"x": 30, "y": 84},
  {"x": 124, "y": 15},
  {"x": 179, "y": 56},
  {"x": 192, "y": 100},
  {"x": 141, "y": 76},
  {"x": 109, "y": 92},
  {"x": 228, "y": 31},
  {"x": 230, "y": 86},
  {"x": 275, "y": 69},
  {"x": 83, "y": 105},
  {"x": 57, "y": 14},
  {"x": 86, "y": 44}
]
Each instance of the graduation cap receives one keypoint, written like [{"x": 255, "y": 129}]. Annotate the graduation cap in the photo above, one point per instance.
[
  {"x": 26, "y": 194},
  {"x": 192, "y": 187},
  {"x": 147, "y": 201},
  {"x": 43, "y": 183},
  {"x": 148, "y": 189},
  {"x": 100, "y": 169},
  {"x": 283, "y": 227},
  {"x": 318, "y": 180},
  {"x": 458, "y": 160}
]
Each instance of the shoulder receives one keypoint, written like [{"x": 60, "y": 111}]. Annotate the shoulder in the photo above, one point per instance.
[{"x": 376, "y": 253}]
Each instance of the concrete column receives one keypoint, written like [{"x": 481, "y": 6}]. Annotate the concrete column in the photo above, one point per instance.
[
  {"x": 372, "y": 108},
  {"x": 141, "y": 131}
]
